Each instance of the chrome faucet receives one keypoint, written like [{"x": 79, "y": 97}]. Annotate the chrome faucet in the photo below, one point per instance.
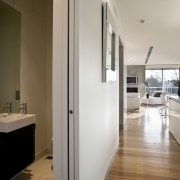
[
  {"x": 8, "y": 107},
  {"x": 23, "y": 107}
]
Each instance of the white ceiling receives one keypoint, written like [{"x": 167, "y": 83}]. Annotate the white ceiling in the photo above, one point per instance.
[{"x": 161, "y": 30}]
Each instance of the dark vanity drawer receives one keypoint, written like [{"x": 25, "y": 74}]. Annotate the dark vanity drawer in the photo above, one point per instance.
[{"x": 17, "y": 151}]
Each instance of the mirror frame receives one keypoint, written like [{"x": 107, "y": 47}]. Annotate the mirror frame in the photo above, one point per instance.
[{"x": 108, "y": 23}]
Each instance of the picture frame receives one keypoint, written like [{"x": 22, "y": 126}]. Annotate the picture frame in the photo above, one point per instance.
[{"x": 108, "y": 45}]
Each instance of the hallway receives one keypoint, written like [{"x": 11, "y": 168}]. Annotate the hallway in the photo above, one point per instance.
[{"x": 147, "y": 150}]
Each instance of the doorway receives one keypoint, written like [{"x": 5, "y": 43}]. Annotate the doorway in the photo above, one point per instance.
[{"x": 121, "y": 85}]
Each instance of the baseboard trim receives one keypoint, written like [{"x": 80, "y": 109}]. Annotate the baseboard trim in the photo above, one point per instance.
[
  {"x": 174, "y": 138},
  {"x": 110, "y": 165},
  {"x": 41, "y": 154}
]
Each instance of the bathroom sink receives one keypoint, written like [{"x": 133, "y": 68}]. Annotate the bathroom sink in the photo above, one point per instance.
[{"x": 16, "y": 121}]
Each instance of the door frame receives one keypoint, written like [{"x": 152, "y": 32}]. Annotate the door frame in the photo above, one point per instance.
[
  {"x": 121, "y": 85},
  {"x": 65, "y": 90},
  {"x": 73, "y": 90}
]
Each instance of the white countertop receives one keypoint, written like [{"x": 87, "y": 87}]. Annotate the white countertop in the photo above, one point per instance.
[
  {"x": 175, "y": 98},
  {"x": 16, "y": 121}
]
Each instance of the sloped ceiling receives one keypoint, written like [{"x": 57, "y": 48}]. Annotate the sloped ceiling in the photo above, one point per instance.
[{"x": 161, "y": 29}]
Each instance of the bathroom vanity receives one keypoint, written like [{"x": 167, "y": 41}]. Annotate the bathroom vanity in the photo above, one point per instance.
[{"x": 17, "y": 144}]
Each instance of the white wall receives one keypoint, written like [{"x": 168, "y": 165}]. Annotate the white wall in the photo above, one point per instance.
[
  {"x": 98, "y": 102},
  {"x": 35, "y": 70}
]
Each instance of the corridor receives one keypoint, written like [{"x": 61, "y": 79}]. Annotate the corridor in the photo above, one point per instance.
[{"x": 147, "y": 151}]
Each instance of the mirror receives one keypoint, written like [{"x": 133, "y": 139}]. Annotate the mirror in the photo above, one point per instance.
[
  {"x": 108, "y": 46},
  {"x": 10, "y": 32}
]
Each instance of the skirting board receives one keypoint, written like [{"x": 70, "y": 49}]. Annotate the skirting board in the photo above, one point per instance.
[
  {"x": 41, "y": 154},
  {"x": 174, "y": 138},
  {"x": 110, "y": 165}
]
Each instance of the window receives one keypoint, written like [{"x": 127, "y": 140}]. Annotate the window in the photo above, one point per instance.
[
  {"x": 161, "y": 79},
  {"x": 168, "y": 76}
]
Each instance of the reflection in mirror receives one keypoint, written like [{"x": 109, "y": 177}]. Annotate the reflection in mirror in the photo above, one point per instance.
[
  {"x": 108, "y": 46},
  {"x": 10, "y": 30}
]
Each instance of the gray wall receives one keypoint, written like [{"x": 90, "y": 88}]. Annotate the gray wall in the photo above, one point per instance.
[
  {"x": 139, "y": 71},
  {"x": 36, "y": 66}
]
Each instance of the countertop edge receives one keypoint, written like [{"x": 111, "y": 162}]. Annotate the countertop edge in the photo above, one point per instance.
[{"x": 175, "y": 98}]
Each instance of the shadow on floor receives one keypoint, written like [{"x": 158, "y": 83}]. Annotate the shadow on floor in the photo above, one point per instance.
[{"x": 24, "y": 175}]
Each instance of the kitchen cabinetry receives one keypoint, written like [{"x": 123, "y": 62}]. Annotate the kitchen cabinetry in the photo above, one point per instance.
[{"x": 174, "y": 117}]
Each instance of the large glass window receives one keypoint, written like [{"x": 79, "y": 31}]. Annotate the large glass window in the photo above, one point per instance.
[
  {"x": 154, "y": 79},
  {"x": 168, "y": 76},
  {"x": 161, "y": 79}
]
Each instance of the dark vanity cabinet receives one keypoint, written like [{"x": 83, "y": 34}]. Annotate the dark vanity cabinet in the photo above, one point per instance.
[{"x": 17, "y": 151}]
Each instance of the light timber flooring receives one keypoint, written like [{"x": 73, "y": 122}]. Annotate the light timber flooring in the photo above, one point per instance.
[{"x": 147, "y": 151}]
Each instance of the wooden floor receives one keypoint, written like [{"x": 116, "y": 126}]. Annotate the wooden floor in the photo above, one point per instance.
[{"x": 147, "y": 151}]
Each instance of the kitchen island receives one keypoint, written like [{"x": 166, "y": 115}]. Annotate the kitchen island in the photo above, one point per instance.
[{"x": 174, "y": 117}]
